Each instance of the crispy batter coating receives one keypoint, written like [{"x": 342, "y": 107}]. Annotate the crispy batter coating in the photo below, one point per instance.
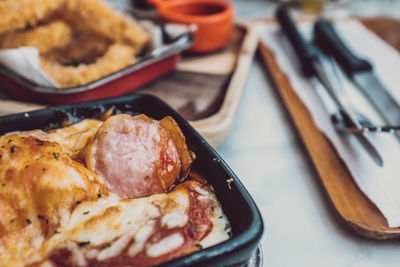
[
  {"x": 117, "y": 57},
  {"x": 100, "y": 18},
  {"x": 18, "y": 14},
  {"x": 84, "y": 47},
  {"x": 79, "y": 41},
  {"x": 45, "y": 38}
]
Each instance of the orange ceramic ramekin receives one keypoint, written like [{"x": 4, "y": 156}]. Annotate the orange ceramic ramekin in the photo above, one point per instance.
[{"x": 213, "y": 18}]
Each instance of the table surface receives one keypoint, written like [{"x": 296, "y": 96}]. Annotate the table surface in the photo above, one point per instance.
[{"x": 266, "y": 153}]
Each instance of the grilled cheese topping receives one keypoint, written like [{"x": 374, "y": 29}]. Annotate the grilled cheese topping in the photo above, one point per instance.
[{"x": 55, "y": 211}]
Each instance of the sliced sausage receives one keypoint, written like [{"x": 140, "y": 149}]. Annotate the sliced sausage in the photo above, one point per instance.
[{"x": 135, "y": 154}]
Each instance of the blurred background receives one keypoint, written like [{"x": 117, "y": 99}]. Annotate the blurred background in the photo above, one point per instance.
[{"x": 263, "y": 8}]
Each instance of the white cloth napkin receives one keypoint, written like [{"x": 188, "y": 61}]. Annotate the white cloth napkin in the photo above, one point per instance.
[{"x": 380, "y": 184}]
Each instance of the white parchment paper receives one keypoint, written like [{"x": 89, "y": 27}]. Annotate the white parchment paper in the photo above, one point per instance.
[
  {"x": 26, "y": 62},
  {"x": 380, "y": 184}
]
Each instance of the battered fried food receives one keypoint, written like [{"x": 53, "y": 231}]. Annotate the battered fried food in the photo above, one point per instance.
[
  {"x": 19, "y": 14},
  {"x": 100, "y": 18},
  {"x": 117, "y": 57},
  {"x": 84, "y": 47},
  {"x": 79, "y": 41},
  {"x": 45, "y": 38}
]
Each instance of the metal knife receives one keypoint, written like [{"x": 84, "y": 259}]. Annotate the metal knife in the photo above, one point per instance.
[
  {"x": 313, "y": 64},
  {"x": 361, "y": 72}
]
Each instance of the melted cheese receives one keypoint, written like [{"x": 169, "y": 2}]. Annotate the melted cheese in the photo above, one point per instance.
[
  {"x": 56, "y": 203},
  {"x": 111, "y": 218},
  {"x": 47, "y": 264},
  {"x": 39, "y": 187},
  {"x": 114, "y": 249},
  {"x": 218, "y": 233},
  {"x": 75, "y": 137},
  {"x": 126, "y": 224},
  {"x": 140, "y": 238},
  {"x": 166, "y": 245}
]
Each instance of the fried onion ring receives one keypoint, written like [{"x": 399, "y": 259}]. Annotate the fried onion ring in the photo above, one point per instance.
[
  {"x": 85, "y": 47},
  {"x": 19, "y": 14},
  {"x": 100, "y": 18},
  {"x": 79, "y": 41},
  {"x": 117, "y": 57},
  {"x": 45, "y": 38}
]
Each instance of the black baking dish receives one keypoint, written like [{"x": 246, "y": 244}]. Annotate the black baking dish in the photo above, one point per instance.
[{"x": 245, "y": 219}]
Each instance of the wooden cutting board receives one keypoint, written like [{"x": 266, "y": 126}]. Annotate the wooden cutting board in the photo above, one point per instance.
[
  {"x": 360, "y": 214},
  {"x": 205, "y": 88}
]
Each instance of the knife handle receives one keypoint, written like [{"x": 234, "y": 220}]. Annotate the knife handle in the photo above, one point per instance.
[
  {"x": 329, "y": 41},
  {"x": 304, "y": 51}
]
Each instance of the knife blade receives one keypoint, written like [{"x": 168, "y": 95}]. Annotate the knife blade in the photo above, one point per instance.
[
  {"x": 366, "y": 123},
  {"x": 360, "y": 71},
  {"x": 313, "y": 65}
]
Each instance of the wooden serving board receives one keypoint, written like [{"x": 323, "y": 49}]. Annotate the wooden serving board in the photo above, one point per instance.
[
  {"x": 350, "y": 203},
  {"x": 205, "y": 88}
]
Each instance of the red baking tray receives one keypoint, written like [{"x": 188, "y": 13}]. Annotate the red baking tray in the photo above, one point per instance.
[{"x": 148, "y": 68}]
